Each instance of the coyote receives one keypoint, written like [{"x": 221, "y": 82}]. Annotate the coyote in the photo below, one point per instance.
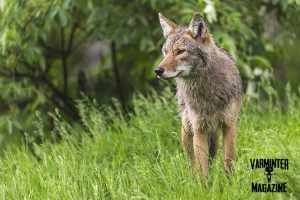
[{"x": 209, "y": 90}]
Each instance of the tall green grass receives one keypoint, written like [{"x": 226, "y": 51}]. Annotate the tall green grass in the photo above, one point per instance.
[{"x": 141, "y": 157}]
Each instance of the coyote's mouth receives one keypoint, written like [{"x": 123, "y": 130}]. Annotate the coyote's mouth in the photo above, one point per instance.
[{"x": 166, "y": 77}]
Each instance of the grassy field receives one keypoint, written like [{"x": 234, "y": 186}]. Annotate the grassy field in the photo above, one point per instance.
[{"x": 142, "y": 158}]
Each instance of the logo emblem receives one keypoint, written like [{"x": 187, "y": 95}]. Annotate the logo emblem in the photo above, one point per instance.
[{"x": 269, "y": 171}]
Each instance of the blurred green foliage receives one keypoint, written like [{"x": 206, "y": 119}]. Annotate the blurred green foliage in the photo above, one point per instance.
[{"x": 40, "y": 44}]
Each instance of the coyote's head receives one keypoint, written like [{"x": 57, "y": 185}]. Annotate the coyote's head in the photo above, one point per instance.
[{"x": 186, "y": 49}]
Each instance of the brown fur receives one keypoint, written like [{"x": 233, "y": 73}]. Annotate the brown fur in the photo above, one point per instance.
[{"x": 208, "y": 90}]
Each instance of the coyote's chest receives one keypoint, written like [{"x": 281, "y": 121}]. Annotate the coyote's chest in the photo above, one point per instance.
[{"x": 203, "y": 104}]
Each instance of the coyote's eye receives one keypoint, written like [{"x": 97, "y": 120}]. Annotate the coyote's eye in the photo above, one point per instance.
[{"x": 180, "y": 52}]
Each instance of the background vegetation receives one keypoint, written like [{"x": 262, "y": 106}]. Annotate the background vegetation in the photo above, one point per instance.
[
  {"x": 52, "y": 51},
  {"x": 56, "y": 55}
]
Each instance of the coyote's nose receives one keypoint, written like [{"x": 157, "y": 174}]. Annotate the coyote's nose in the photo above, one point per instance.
[{"x": 159, "y": 71}]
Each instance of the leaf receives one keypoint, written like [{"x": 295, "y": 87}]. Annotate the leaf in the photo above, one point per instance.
[
  {"x": 210, "y": 11},
  {"x": 17, "y": 124},
  {"x": 261, "y": 62},
  {"x": 246, "y": 71},
  {"x": 62, "y": 17},
  {"x": 53, "y": 12},
  {"x": 9, "y": 126},
  {"x": 3, "y": 41},
  {"x": 258, "y": 71},
  {"x": 2, "y": 5},
  {"x": 251, "y": 87}
]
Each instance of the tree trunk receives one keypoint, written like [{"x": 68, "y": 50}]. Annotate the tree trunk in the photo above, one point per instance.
[{"x": 117, "y": 75}]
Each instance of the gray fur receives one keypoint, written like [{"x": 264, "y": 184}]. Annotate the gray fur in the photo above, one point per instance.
[
  {"x": 209, "y": 90},
  {"x": 213, "y": 85}
]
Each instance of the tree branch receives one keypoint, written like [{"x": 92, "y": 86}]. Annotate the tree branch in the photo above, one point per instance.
[
  {"x": 117, "y": 75},
  {"x": 39, "y": 79},
  {"x": 64, "y": 61},
  {"x": 71, "y": 38}
]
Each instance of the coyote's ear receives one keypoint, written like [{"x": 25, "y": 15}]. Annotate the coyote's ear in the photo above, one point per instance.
[
  {"x": 167, "y": 25},
  {"x": 197, "y": 26}
]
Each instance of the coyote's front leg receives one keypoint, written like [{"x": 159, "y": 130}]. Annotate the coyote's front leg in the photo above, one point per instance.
[
  {"x": 187, "y": 136},
  {"x": 201, "y": 150},
  {"x": 229, "y": 138}
]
